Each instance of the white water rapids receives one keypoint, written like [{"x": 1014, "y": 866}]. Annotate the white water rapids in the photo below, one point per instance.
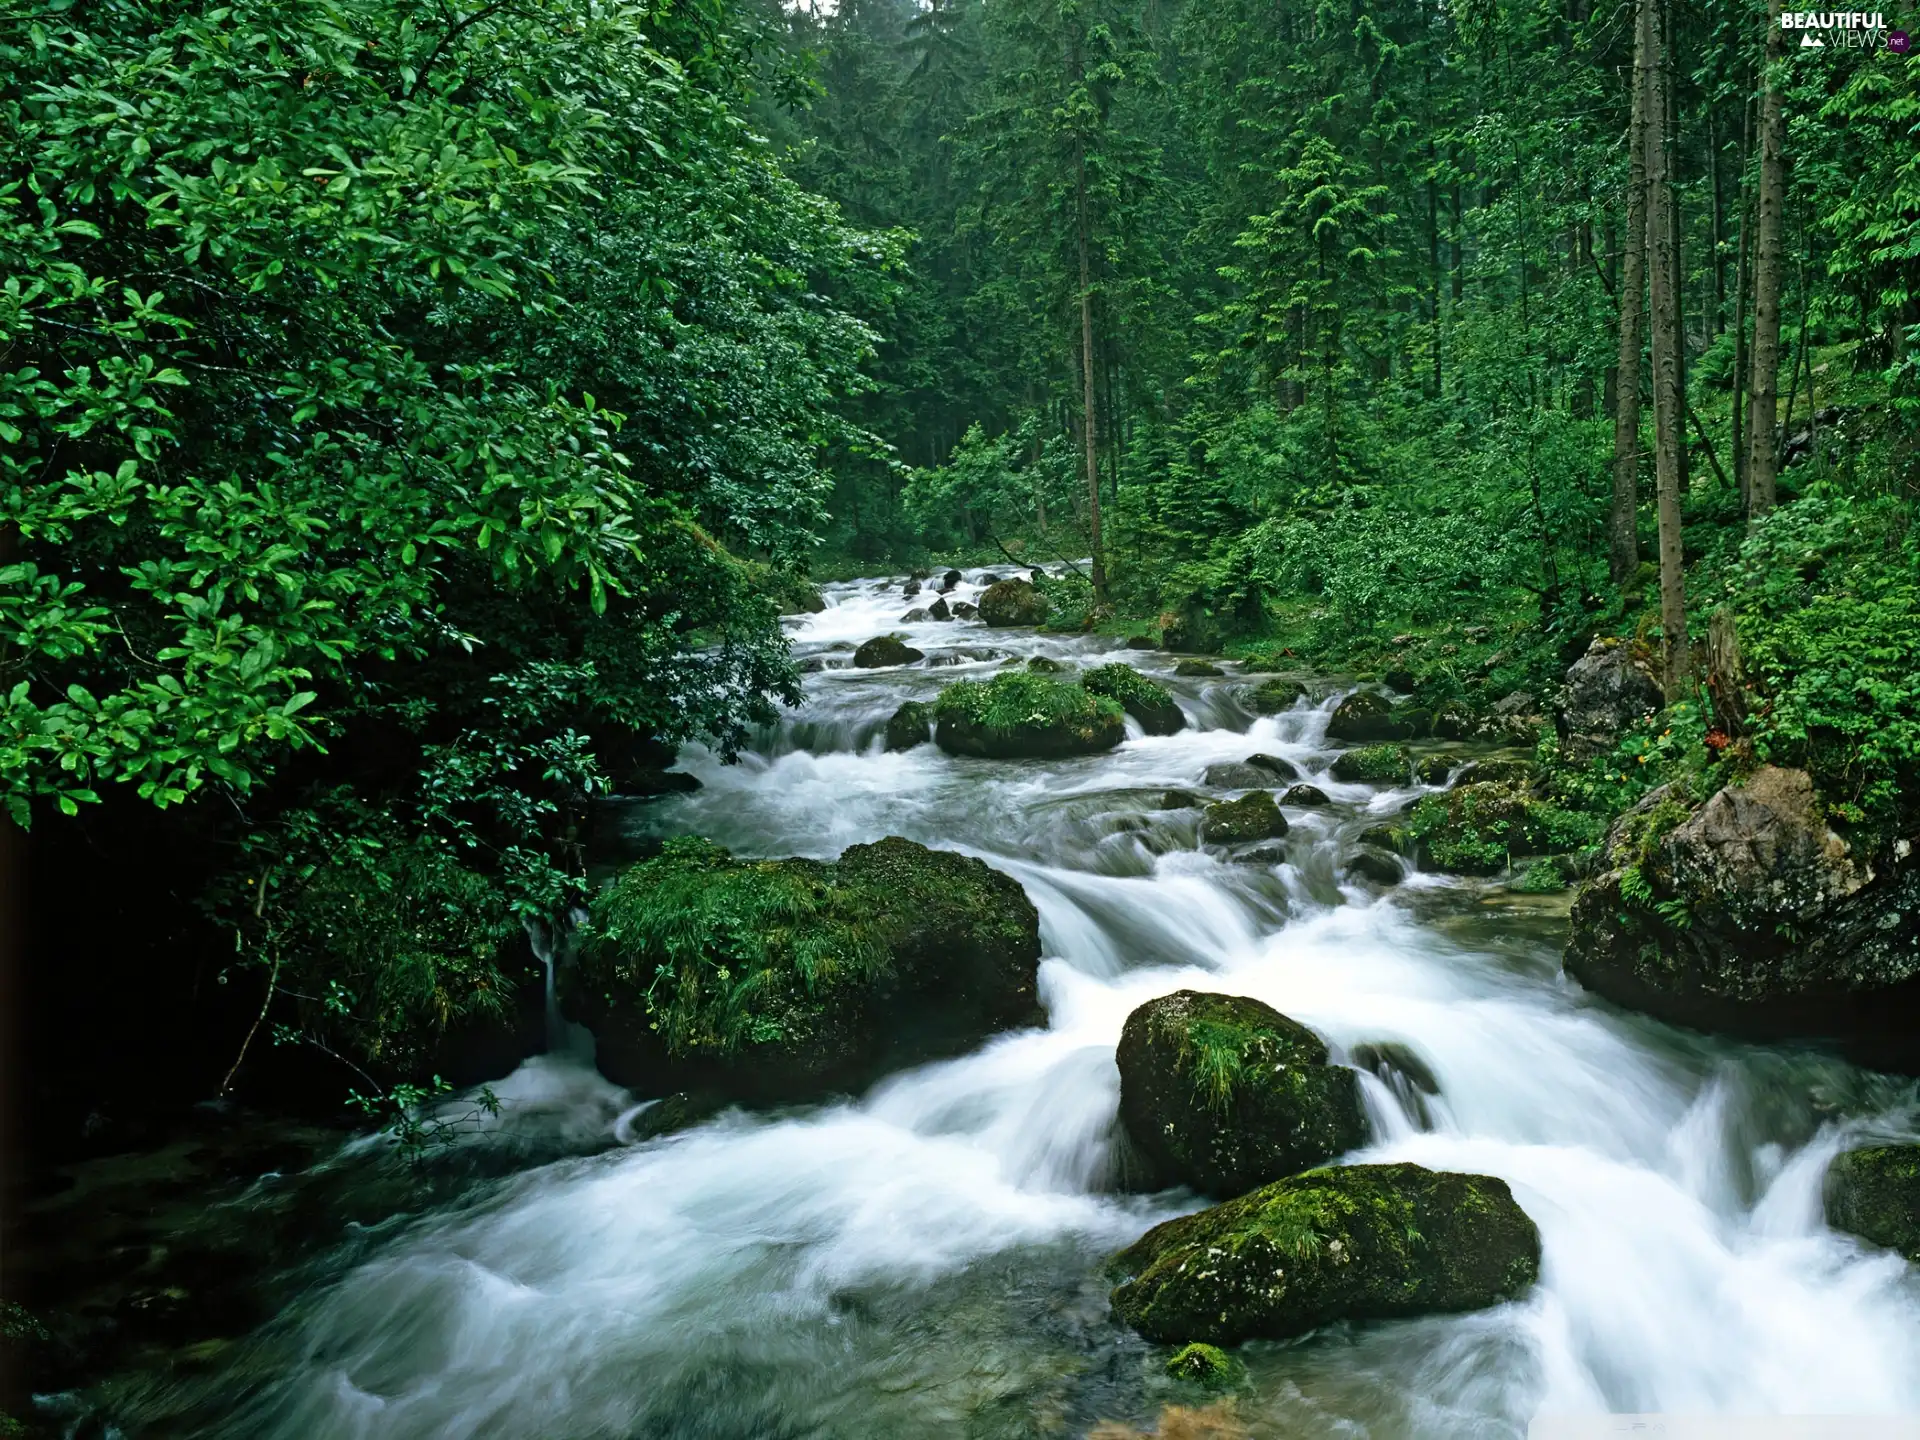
[{"x": 924, "y": 1260}]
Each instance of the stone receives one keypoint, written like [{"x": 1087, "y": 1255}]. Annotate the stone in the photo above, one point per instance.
[
  {"x": 1275, "y": 765},
  {"x": 1306, "y": 796},
  {"x": 1385, "y": 764},
  {"x": 951, "y": 579},
  {"x": 1023, "y": 715},
  {"x": 939, "y": 610},
  {"x": 1750, "y": 914},
  {"x": 1237, "y": 775},
  {"x": 1875, "y": 1194},
  {"x": 1375, "y": 866},
  {"x": 1180, "y": 800},
  {"x": 1606, "y": 691},
  {"x": 891, "y": 955},
  {"x": 910, "y": 589},
  {"x": 1044, "y": 664},
  {"x": 962, "y": 610},
  {"x": 886, "y": 650},
  {"x": 1194, "y": 669},
  {"x": 1276, "y": 696},
  {"x": 1145, "y": 700},
  {"x": 1253, "y": 816},
  {"x": 1365, "y": 716},
  {"x": 910, "y": 725},
  {"x": 1013, "y": 602},
  {"x": 1354, "y": 1242},
  {"x": 1223, "y": 1093},
  {"x": 1141, "y": 642},
  {"x": 1432, "y": 769},
  {"x": 913, "y": 617}
]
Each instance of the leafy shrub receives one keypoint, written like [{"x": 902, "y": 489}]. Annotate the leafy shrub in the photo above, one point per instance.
[{"x": 1018, "y": 699}]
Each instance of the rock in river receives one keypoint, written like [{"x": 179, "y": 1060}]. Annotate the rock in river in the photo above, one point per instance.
[
  {"x": 1356, "y": 1242},
  {"x": 1145, "y": 700},
  {"x": 775, "y": 980},
  {"x": 1875, "y": 1194},
  {"x": 1023, "y": 715},
  {"x": 1253, "y": 816},
  {"x": 1223, "y": 1093},
  {"x": 1013, "y": 602},
  {"x": 886, "y": 650}
]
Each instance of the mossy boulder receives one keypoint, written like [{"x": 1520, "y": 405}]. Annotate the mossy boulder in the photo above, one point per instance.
[
  {"x": 910, "y": 725},
  {"x": 1306, "y": 796},
  {"x": 775, "y": 980},
  {"x": 1143, "y": 699},
  {"x": 1274, "y": 696},
  {"x": 886, "y": 650},
  {"x": 1377, "y": 867},
  {"x": 1223, "y": 1093},
  {"x": 1044, "y": 665},
  {"x": 1386, "y": 837},
  {"x": 1433, "y": 769},
  {"x": 1358, "y": 1242},
  {"x": 1022, "y": 715},
  {"x": 1197, "y": 669},
  {"x": 1012, "y": 602},
  {"x": 1254, "y": 816},
  {"x": 1203, "y": 1364},
  {"x": 1236, "y": 775},
  {"x": 1751, "y": 914},
  {"x": 1364, "y": 716},
  {"x": 1875, "y": 1194},
  {"x": 1374, "y": 765}
]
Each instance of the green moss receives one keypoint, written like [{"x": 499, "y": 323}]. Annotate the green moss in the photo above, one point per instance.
[
  {"x": 1875, "y": 1194},
  {"x": 1254, "y": 816},
  {"x": 1384, "y": 764},
  {"x": 1204, "y": 1364},
  {"x": 1021, "y": 713},
  {"x": 1542, "y": 877},
  {"x": 1351, "y": 1242},
  {"x": 1222, "y": 1092},
  {"x": 1277, "y": 695},
  {"x": 908, "y": 726},
  {"x": 1476, "y": 829},
  {"x": 1146, "y": 700},
  {"x": 779, "y": 963}
]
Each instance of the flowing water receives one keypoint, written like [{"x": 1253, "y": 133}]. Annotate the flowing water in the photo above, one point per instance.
[{"x": 924, "y": 1259}]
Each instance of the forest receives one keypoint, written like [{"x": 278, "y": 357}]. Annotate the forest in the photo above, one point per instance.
[{"x": 435, "y": 432}]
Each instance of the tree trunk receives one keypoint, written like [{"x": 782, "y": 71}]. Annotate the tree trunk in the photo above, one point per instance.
[
  {"x": 1763, "y": 387},
  {"x": 1086, "y": 369},
  {"x": 1740, "y": 312},
  {"x": 1662, "y": 265},
  {"x": 1622, "y": 521}
]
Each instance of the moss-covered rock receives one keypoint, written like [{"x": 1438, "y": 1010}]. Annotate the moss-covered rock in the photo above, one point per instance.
[
  {"x": 1875, "y": 1194},
  {"x": 1374, "y": 765},
  {"x": 1044, "y": 665},
  {"x": 1750, "y": 913},
  {"x": 1143, "y": 699},
  {"x": 1012, "y": 602},
  {"x": 1253, "y": 816},
  {"x": 1432, "y": 769},
  {"x": 1367, "y": 716},
  {"x": 886, "y": 650},
  {"x": 1236, "y": 775},
  {"x": 783, "y": 979},
  {"x": 910, "y": 725},
  {"x": 1022, "y": 715},
  {"x": 1274, "y": 696},
  {"x": 1376, "y": 867},
  {"x": 1197, "y": 669},
  {"x": 1223, "y": 1093},
  {"x": 1496, "y": 772},
  {"x": 1306, "y": 797},
  {"x": 1386, "y": 837},
  {"x": 1360, "y": 1242},
  {"x": 1203, "y": 1364}
]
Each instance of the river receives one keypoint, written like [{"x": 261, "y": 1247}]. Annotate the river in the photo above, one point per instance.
[{"x": 924, "y": 1260}]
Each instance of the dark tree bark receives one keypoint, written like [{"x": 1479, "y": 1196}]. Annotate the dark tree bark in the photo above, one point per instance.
[
  {"x": 1622, "y": 520},
  {"x": 1662, "y": 266},
  {"x": 1763, "y": 386}
]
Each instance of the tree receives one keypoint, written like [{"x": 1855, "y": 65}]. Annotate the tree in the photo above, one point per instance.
[
  {"x": 1623, "y": 519},
  {"x": 1763, "y": 388}
]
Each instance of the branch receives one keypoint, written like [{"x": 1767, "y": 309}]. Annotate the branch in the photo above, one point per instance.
[{"x": 1706, "y": 441}]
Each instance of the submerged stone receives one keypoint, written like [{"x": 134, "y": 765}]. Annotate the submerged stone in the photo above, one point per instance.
[
  {"x": 910, "y": 725},
  {"x": 1223, "y": 1092},
  {"x": 1359, "y": 1242},
  {"x": 1306, "y": 797},
  {"x": 1275, "y": 696}
]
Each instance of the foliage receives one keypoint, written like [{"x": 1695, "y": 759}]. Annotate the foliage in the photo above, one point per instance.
[
  {"x": 1017, "y": 699},
  {"x": 1124, "y": 684}
]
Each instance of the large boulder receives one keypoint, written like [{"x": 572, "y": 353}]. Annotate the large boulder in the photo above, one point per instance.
[
  {"x": 1749, "y": 913},
  {"x": 1237, "y": 775},
  {"x": 1275, "y": 696},
  {"x": 1365, "y": 716},
  {"x": 1224, "y": 1093},
  {"x": 774, "y": 980},
  {"x": 1013, "y": 602},
  {"x": 1143, "y": 699},
  {"x": 1023, "y": 715},
  {"x": 1254, "y": 816},
  {"x": 1606, "y": 690},
  {"x": 886, "y": 650},
  {"x": 1474, "y": 829},
  {"x": 1357, "y": 1242},
  {"x": 1875, "y": 1194}
]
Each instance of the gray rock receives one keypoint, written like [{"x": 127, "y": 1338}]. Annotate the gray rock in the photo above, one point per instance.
[
  {"x": 886, "y": 650},
  {"x": 1236, "y": 775},
  {"x": 1606, "y": 691}
]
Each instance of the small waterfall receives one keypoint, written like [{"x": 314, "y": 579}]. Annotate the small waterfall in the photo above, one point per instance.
[{"x": 553, "y": 946}]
